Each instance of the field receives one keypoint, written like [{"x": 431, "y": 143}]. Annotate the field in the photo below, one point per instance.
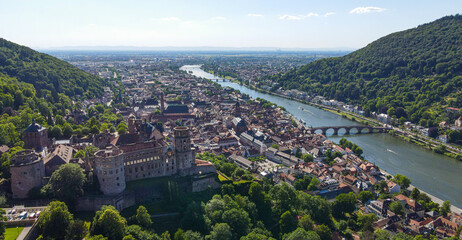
[{"x": 12, "y": 233}]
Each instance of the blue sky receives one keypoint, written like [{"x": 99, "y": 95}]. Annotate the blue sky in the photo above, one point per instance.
[{"x": 215, "y": 23}]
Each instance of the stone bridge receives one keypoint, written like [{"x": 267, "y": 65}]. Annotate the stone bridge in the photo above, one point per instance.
[{"x": 348, "y": 129}]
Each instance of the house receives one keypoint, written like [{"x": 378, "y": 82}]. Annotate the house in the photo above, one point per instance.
[
  {"x": 443, "y": 138},
  {"x": 393, "y": 187},
  {"x": 458, "y": 122},
  {"x": 410, "y": 205},
  {"x": 443, "y": 227}
]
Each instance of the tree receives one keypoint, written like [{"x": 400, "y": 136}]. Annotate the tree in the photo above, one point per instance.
[
  {"x": 67, "y": 130},
  {"x": 80, "y": 154},
  {"x": 165, "y": 236},
  {"x": 122, "y": 128},
  {"x": 238, "y": 220},
  {"x": 307, "y": 157},
  {"x": 365, "y": 196},
  {"x": 284, "y": 197},
  {"x": 415, "y": 193},
  {"x": 313, "y": 184},
  {"x": 366, "y": 222},
  {"x": 445, "y": 208},
  {"x": 190, "y": 235},
  {"x": 344, "y": 203},
  {"x": 108, "y": 223},
  {"x": 193, "y": 217},
  {"x": 397, "y": 208},
  {"x": 287, "y": 222},
  {"x": 402, "y": 181},
  {"x": 324, "y": 232},
  {"x": 221, "y": 231},
  {"x": 55, "y": 132},
  {"x": 142, "y": 217},
  {"x": 381, "y": 234},
  {"x": 300, "y": 234},
  {"x": 2, "y": 225},
  {"x": 227, "y": 189},
  {"x": 55, "y": 220},
  {"x": 306, "y": 223},
  {"x": 179, "y": 235},
  {"x": 66, "y": 183},
  {"x": 77, "y": 230}
]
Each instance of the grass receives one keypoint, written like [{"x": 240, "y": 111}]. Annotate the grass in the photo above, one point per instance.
[{"x": 12, "y": 233}]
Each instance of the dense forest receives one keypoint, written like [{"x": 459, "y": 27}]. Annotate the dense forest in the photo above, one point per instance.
[
  {"x": 45, "y": 72},
  {"x": 417, "y": 73}
]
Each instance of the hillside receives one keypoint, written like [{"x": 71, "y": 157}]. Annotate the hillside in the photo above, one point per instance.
[
  {"x": 416, "y": 73},
  {"x": 45, "y": 72}
]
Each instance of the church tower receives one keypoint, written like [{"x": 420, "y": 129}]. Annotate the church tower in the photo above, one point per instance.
[{"x": 183, "y": 154}]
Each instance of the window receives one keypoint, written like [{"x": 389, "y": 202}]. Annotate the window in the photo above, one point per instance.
[{"x": 117, "y": 178}]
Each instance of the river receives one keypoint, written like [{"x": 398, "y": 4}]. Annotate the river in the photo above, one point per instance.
[{"x": 433, "y": 173}]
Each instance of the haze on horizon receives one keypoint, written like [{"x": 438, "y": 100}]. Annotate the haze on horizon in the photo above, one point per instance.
[{"x": 291, "y": 24}]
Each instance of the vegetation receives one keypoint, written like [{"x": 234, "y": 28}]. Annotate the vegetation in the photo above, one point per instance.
[
  {"x": 413, "y": 74},
  {"x": 46, "y": 73},
  {"x": 66, "y": 183}
]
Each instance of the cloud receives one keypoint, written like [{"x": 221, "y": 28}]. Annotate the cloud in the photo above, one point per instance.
[
  {"x": 298, "y": 17},
  {"x": 219, "y": 18},
  {"x": 361, "y": 10},
  {"x": 329, "y": 14},
  {"x": 254, "y": 15},
  {"x": 170, "y": 19}
]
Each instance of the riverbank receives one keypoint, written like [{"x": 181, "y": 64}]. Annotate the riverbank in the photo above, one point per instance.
[
  {"x": 451, "y": 152},
  {"x": 433, "y": 198}
]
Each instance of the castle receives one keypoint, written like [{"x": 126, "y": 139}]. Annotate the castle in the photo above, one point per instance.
[{"x": 141, "y": 153}]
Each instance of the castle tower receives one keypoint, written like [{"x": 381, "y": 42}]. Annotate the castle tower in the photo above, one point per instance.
[
  {"x": 109, "y": 167},
  {"x": 27, "y": 172},
  {"x": 35, "y": 137},
  {"x": 183, "y": 154}
]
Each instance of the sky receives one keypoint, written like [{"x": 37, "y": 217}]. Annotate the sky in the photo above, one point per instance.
[{"x": 313, "y": 24}]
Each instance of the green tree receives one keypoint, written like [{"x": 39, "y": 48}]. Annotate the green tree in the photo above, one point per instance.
[
  {"x": 221, "y": 231},
  {"x": 365, "y": 196},
  {"x": 80, "y": 154},
  {"x": 306, "y": 223},
  {"x": 402, "y": 181},
  {"x": 366, "y": 222},
  {"x": 227, "y": 189},
  {"x": 2, "y": 225},
  {"x": 238, "y": 220},
  {"x": 66, "y": 183},
  {"x": 344, "y": 203},
  {"x": 109, "y": 223},
  {"x": 381, "y": 234},
  {"x": 324, "y": 232},
  {"x": 415, "y": 193},
  {"x": 122, "y": 128},
  {"x": 142, "y": 217},
  {"x": 307, "y": 157},
  {"x": 397, "y": 208},
  {"x": 179, "y": 235},
  {"x": 313, "y": 184},
  {"x": 300, "y": 234},
  {"x": 445, "y": 208},
  {"x": 55, "y": 220},
  {"x": 77, "y": 230},
  {"x": 287, "y": 222}
]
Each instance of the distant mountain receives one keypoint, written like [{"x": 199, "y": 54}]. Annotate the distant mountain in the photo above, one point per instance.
[
  {"x": 415, "y": 73},
  {"x": 194, "y": 49},
  {"x": 45, "y": 72}
]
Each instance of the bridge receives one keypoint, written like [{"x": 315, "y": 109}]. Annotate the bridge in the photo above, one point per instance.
[{"x": 359, "y": 129}]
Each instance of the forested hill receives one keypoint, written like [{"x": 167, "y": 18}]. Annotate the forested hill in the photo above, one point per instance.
[
  {"x": 418, "y": 70},
  {"x": 46, "y": 72}
]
